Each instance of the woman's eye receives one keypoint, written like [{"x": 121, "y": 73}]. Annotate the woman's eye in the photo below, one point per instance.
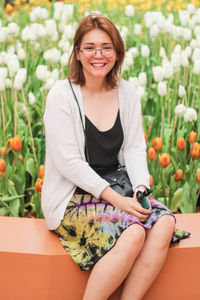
[{"x": 89, "y": 48}]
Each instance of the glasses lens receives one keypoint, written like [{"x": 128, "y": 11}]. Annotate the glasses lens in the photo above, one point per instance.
[{"x": 91, "y": 52}]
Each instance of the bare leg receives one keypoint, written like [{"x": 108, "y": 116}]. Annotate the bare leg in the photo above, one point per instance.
[
  {"x": 113, "y": 267},
  {"x": 150, "y": 259}
]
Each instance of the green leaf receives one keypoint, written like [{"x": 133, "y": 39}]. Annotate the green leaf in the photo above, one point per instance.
[
  {"x": 14, "y": 206},
  {"x": 30, "y": 167},
  {"x": 186, "y": 204},
  {"x": 176, "y": 200}
]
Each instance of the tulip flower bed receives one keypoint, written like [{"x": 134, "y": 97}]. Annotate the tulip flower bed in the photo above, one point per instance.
[{"x": 162, "y": 62}]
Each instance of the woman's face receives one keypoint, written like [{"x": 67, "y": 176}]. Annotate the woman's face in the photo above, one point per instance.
[{"x": 97, "y": 54}]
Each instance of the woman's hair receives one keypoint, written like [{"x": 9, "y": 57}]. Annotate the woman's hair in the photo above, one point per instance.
[{"x": 96, "y": 21}]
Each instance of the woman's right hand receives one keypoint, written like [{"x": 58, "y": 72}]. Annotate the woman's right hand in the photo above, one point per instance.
[
  {"x": 133, "y": 207},
  {"x": 127, "y": 204}
]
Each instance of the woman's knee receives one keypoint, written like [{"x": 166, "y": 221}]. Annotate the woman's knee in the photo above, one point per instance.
[
  {"x": 165, "y": 229},
  {"x": 133, "y": 238}
]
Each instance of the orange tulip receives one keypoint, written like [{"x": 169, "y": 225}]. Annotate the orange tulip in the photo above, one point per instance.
[
  {"x": 181, "y": 144},
  {"x": 16, "y": 143},
  {"x": 151, "y": 153},
  {"x": 164, "y": 160},
  {"x": 192, "y": 137},
  {"x": 3, "y": 174},
  {"x": 195, "y": 150},
  {"x": 157, "y": 144},
  {"x": 2, "y": 165},
  {"x": 198, "y": 176},
  {"x": 3, "y": 151},
  {"x": 38, "y": 184},
  {"x": 145, "y": 137},
  {"x": 9, "y": 143},
  {"x": 178, "y": 175},
  {"x": 41, "y": 171},
  {"x": 151, "y": 180},
  {"x": 20, "y": 158}
]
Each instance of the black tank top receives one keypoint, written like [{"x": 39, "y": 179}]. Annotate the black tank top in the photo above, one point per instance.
[{"x": 104, "y": 146}]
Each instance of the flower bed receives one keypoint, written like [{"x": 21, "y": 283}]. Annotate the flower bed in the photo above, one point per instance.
[{"x": 163, "y": 63}]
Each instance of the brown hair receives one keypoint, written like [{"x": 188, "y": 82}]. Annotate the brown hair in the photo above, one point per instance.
[{"x": 96, "y": 21}]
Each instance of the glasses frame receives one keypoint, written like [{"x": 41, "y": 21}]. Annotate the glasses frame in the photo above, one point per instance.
[{"x": 93, "y": 53}]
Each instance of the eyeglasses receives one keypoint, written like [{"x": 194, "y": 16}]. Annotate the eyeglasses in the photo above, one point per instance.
[{"x": 90, "y": 51}]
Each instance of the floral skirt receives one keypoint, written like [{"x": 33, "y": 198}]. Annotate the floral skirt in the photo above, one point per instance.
[{"x": 91, "y": 227}]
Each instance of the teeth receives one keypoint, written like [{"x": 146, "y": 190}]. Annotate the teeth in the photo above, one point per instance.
[{"x": 98, "y": 65}]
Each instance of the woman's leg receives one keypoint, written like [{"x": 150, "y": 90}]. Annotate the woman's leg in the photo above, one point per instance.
[
  {"x": 113, "y": 267},
  {"x": 150, "y": 259}
]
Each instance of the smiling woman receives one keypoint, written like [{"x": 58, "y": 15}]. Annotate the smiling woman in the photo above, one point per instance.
[{"x": 93, "y": 126}]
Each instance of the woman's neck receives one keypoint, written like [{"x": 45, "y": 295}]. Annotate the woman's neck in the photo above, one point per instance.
[{"x": 96, "y": 85}]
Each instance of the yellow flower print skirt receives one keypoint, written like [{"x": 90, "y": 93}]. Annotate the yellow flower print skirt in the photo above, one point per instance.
[{"x": 91, "y": 227}]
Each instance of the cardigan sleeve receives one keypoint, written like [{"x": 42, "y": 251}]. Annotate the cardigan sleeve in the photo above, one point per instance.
[
  {"x": 62, "y": 143},
  {"x": 135, "y": 146}
]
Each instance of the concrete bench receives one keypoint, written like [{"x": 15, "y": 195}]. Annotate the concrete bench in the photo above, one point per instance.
[{"x": 34, "y": 265}]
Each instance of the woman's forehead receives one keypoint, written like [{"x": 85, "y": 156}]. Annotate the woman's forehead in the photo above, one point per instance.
[{"x": 96, "y": 36}]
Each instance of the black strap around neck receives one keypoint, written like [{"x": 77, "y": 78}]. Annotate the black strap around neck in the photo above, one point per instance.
[{"x": 86, "y": 147}]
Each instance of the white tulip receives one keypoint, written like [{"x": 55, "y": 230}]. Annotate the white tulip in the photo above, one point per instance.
[
  {"x": 158, "y": 73},
  {"x": 64, "y": 59},
  {"x": 193, "y": 43},
  {"x": 128, "y": 61},
  {"x": 21, "y": 54},
  {"x": 145, "y": 51},
  {"x": 20, "y": 78},
  {"x": 52, "y": 55},
  {"x": 13, "y": 66},
  {"x": 187, "y": 35},
  {"x": 8, "y": 83},
  {"x": 141, "y": 91},
  {"x": 54, "y": 74},
  {"x": 142, "y": 77},
  {"x": 162, "y": 52},
  {"x": 190, "y": 115},
  {"x": 168, "y": 70},
  {"x": 176, "y": 60},
  {"x": 184, "y": 17},
  {"x": 162, "y": 88},
  {"x": 31, "y": 98},
  {"x": 191, "y": 8},
  {"x": 180, "y": 110},
  {"x": 129, "y": 10},
  {"x": 196, "y": 54},
  {"x": 38, "y": 13},
  {"x": 196, "y": 67},
  {"x": 177, "y": 49},
  {"x": 67, "y": 12},
  {"x": 13, "y": 29},
  {"x": 3, "y": 34},
  {"x": 154, "y": 31},
  {"x": 197, "y": 30},
  {"x": 137, "y": 29},
  {"x": 26, "y": 33},
  {"x": 3, "y": 73},
  {"x": 181, "y": 91},
  {"x": 42, "y": 72},
  {"x": 58, "y": 7},
  {"x": 2, "y": 84},
  {"x": 134, "y": 51},
  {"x": 51, "y": 26},
  {"x": 41, "y": 31},
  {"x": 134, "y": 81},
  {"x": 69, "y": 31},
  {"x": 49, "y": 83},
  {"x": 184, "y": 60},
  {"x": 188, "y": 51}
]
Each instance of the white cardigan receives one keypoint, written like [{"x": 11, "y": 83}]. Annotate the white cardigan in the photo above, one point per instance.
[{"x": 65, "y": 165}]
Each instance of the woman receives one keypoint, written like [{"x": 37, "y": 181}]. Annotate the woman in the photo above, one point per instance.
[{"x": 114, "y": 234}]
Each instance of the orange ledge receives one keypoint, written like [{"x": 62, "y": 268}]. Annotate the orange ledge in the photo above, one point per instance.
[{"x": 34, "y": 265}]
